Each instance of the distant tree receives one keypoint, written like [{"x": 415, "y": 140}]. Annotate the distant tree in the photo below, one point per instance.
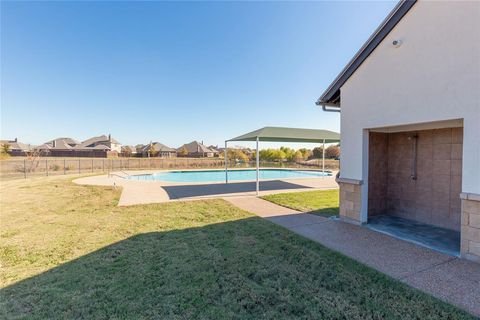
[
  {"x": 127, "y": 151},
  {"x": 5, "y": 148},
  {"x": 152, "y": 152},
  {"x": 4, "y": 151},
  {"x": 33, "y": 159},
  {"x": 265, "y": 154},
  {"x": 298, "y": 156},
  {"x": 237, "y": 154},
  {"x": 289, "y": 153},
  {"x": 332, "y": 152},
  {"x": 272, "y": 155},
  {"x": 317, "y": 152},
  {"x": 305, "y": 152},
  {"x": 183, "y": 152}
]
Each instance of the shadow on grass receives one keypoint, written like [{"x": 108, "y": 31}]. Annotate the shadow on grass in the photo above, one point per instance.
[
  {"x": 198, "y": 190},
  {"x": 325, "y": 212},
  {"x": 247, "y": 268}
]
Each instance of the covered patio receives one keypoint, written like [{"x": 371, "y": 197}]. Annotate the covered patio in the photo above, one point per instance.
[{"x": 282, "y": 134}]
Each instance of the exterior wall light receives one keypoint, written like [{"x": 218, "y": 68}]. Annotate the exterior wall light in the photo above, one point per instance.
[{"x": 397, "y": 43}]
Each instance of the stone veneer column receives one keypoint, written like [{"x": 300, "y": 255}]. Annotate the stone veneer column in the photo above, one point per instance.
[
  {"x": 470, "y": 233},
  {"x": 350, "y": 200}
]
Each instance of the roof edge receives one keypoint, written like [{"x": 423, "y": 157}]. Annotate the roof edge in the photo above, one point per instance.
[{"x": 332, "y": 93}]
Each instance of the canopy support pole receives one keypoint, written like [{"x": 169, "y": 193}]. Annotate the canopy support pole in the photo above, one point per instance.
[
  {"x": 226, "y": 162},
  {"x": 258, "y": 172},
  {"x": 323, "y": 159}
]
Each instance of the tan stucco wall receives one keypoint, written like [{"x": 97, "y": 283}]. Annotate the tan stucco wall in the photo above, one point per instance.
[{"x": 433, "y": 76}]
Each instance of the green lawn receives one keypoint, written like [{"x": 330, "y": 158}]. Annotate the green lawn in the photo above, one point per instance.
[
  {"x": 321, "y": 202},
  {"x": 68, "y": 251}
]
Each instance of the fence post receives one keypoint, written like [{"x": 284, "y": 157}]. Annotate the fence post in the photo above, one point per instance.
[
  {"x": 64, "y": 167},
  {"x": 25, "y": 167},
  {"x": 46, "y": 167},
  {"x": 79, "y": 164},
  {"x": 103, "y": 165},
  {"x": 92, "y": 164}
]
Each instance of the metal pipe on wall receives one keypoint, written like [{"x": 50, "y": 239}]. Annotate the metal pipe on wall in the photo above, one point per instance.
[
  {"x": 226, "y": 163},
  {"x": 414, "y": 138},
  {"x": 258, "y": 170},
  {"x": 323, "y": 159}
]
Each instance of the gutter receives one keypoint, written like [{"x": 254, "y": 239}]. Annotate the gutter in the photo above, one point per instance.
[{"x": 328, "y": 107}]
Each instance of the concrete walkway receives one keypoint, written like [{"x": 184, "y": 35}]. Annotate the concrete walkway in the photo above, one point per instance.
[{"x": 445, "y": 277}]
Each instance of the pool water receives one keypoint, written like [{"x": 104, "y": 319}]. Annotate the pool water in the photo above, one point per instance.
[{"x": 233, "y": 175}]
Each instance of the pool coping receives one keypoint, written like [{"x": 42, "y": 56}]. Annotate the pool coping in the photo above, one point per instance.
[{"x": 330, "y": 172}]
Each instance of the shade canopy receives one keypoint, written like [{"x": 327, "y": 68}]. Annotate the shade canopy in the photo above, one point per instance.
[{"x": 281, "y": 134}]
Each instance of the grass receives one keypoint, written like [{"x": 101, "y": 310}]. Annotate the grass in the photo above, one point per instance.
[
  {"x": 321, "y": 202},
  {"x": 68, "y": 251}
]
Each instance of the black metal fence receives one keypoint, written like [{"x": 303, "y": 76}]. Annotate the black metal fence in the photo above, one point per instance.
[{"x": 26, "y": 167}]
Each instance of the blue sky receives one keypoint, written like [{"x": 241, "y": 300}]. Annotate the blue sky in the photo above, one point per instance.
[{"x": 173, "y": 71}]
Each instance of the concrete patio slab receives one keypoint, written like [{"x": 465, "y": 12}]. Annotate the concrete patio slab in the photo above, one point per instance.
[
  {"x": 455, "y": 280},
  {"x": 144, "y": 192},
  {"x": 433, "y": 237},
  {"x": 133, "y": 194},
  {"x": 443, "y": 276},
  {"x": 394, "y": 257}
]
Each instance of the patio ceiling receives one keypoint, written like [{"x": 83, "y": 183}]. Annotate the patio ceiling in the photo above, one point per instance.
[{"x": 282, "y": 134}]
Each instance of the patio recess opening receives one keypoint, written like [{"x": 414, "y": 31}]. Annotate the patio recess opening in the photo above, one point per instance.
[{"x": 416, "y": 175}]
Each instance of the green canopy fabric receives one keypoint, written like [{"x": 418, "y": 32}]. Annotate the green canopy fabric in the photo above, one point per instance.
[{"x": 281, "y": 134}]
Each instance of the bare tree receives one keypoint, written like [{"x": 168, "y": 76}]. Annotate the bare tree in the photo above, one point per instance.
[{"x": 33, "y": 159}]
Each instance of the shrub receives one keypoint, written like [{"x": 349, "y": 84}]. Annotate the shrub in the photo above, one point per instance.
[{"x": 54, "y": 167}]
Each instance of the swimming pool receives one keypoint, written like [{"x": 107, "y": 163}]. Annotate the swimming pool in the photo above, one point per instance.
[{"x": 233, "y": 175}]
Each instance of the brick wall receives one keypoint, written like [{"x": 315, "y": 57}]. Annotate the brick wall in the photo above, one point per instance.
[
  {"x": 470, "y": 234},
  {"x": 350, "y": 200},
  {"x": 434, "y": 197}
]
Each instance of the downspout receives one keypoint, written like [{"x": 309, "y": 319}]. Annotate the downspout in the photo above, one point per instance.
[{"x": 328, "y": 107}]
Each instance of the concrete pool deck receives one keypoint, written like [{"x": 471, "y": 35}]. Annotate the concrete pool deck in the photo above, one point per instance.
[
  {"x": 445, "y": 277},
  {"x": 144, "y": 192}
]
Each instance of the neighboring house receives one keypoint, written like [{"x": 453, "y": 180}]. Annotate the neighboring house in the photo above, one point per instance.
[
  {"x": 410, "y": 120},
  {"x": 96, "y": 147},
  {"x": 103, "y": 140},
  {"x": 16, "y": 148},
  {"x": 63, "y": 141},
  {"x": 156, "y": 149},
  {"x": 215, "y": 149},
  {"x": 196, "y": 149},
  {"x": 59, "y": 147}
]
